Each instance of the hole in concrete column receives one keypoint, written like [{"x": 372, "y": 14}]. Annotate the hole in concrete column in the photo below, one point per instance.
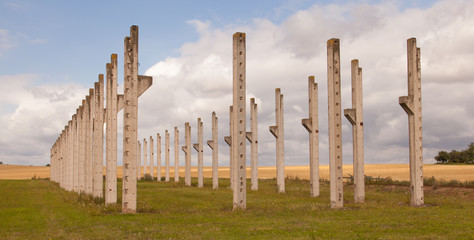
[
  {"x": 240, "y": 53},
  {"x": 337, "y": 125},
  {"x": 240, "y": 64},
  {"x": 337, "y": 146},
  {"x": 241, "y": 155}
]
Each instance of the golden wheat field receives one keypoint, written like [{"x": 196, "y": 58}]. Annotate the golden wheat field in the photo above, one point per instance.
[{"x": 395, "y": 171}]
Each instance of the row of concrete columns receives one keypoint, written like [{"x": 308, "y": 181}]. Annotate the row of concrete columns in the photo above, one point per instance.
[{"x": 77, "y": 155}]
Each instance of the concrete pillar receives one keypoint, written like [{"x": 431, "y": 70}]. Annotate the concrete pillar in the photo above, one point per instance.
[
  {"x": 158, "y": 158},
  {"x": 198, "y": 148},
  {"x": 145, "y": 157},
  {"x": 99, "y": 138},
  {"x": 75, "y": 153},
  {"x": 213, "y": 144},
  {"x": 82, "y": 146},
  {"x": 167, "y": 156},
  {"x": 139, "y": 161},
  {"x": 70, "y": 162},
  {"x": 111, "y": 132},
  {"x": 228, "y": 140},
  {"x": 252, "y": 136},
  {"x": 239, "y": 121},
  {"x": 63, "y": 165},
  {"x": 334, "y": 123},
  {"x": 152, "y": 158},
  {"x": 278, "y": 133},
  {"x": 134, "y": 85},
  {"x": 412, "y": 106},
  {"x": 176, "y": 154},
  {"x": 187, "y": 154},
  {"x": 355, "y": 117},
  {"x": 312, "y": 125},
  {"x": 89, "y": 140}
]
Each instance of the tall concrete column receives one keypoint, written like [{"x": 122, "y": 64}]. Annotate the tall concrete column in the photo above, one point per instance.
[
  {"x": 187, "y": 154},
  {"x": 228, "y": 140},
  {"x": 278, "y": 132},
  {"x": 82, "y": 146},
  {"x": 99, "y": 138},
  {"x": 134, "y": 85},
  {"x": 152, "y": 158},
  {"x": 176, "y": 154},
  {"x": 252, "y": 136},
  {"x": 145, "y": 157},
  {"x": 334, "y": 123},
  {"x": 167, "y": 156},
  {"x": 311, "y": 124},
  {"x": 75, "y": 153},
  {"x": 111, "y": 132},
  {"x": 70, "y": 163},
  {"x": 198, "y": 148},
  {"x": 355, "y": 117},
  {"x": 213, "y": 144},
  {"x": 412, "y": 106},
  {"x": 158, "y": 158},
  {"x": 89, "y": 140},
  {"x": 62, "y": 183},
  {"x": 239, "y": 121},
  {"x": 139, "y": 161}
]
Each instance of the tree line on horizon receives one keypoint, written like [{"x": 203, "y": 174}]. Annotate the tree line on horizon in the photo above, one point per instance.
[{"x": 465, "y": 156}]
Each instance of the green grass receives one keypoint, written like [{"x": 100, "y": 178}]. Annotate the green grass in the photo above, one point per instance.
[{"x": 39, "y": 209}]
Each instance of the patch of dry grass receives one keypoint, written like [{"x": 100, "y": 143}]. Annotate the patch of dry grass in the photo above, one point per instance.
[{"x": 394, "y": 171}]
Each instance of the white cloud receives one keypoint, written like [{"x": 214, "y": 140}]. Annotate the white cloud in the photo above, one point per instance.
[
  {"x": 32, "y": 117},
  {"x": 284, "y": 55}
]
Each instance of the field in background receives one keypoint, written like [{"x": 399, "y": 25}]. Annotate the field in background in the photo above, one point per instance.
[{"x": 395, "y": 171}]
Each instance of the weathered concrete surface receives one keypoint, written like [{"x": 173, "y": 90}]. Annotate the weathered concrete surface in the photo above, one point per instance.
[
  {"x": 111, "y": 132},
  {"x": 334, "y": 123},
  {"x": 152, "y": 158},
  {"x": 176, "y": 154},
  {"x": 145, "y": 157},
  {"x": 75, "y": 156},
  {"x": 213, "y": 144},
  {"x": 70, "y": 143},
  {"x": 355, "y": 117},
  {"x": 158, "y": 157},
  {"x": 312, "y": 125},
  {"x": 82, "y": 150},
  {"x": 198, "y": 148},
  {"x": 228, "y": 140},
  {"x": 98, "y": 188},
  {"x": 412, "y": 106},
  {"x": 167, "y": 156},
  {"x": 139, "y": 161},
  {"x": 239, "y": 122},
  {"x": 278, "y": 132},
  {"x": 187, "y": 153},
  {"x": 133, "y": 85},
  {"x": 252, "y": 136},
  {"x": 89, "y": 140}
]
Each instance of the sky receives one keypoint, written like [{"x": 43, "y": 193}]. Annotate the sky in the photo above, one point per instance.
[{"x": 51, "y": 53}]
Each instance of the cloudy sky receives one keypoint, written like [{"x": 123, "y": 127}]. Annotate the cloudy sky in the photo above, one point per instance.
[{"x": 52, "y": 51}]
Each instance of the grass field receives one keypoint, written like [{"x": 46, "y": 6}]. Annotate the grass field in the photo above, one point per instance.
[
  {"x": 39, "y": 209},
  {"x": 394, "y": 171}
]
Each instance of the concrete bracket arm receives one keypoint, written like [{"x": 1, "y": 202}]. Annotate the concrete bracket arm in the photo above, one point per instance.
[
  {"x": 196, "y": 147},
  {"x": 350, "y": 114},
  {"x": 249, "y": 136},
  {"x": 407, "y": 104},
  {"x": 306, "y": 122},
  {"x": 273, "y": 130},
  {"x": 144, "y": 82},
  {"x": 228, "y": 140},
  {"x": 210, "y": 143},
  {"x": 185, "y": 149}
]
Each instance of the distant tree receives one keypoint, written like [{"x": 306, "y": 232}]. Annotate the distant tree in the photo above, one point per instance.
[
  {"x": 464, "y": 156},
  {"x": 1, "y": 163},
  {"x": 47, "y": 165}
]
